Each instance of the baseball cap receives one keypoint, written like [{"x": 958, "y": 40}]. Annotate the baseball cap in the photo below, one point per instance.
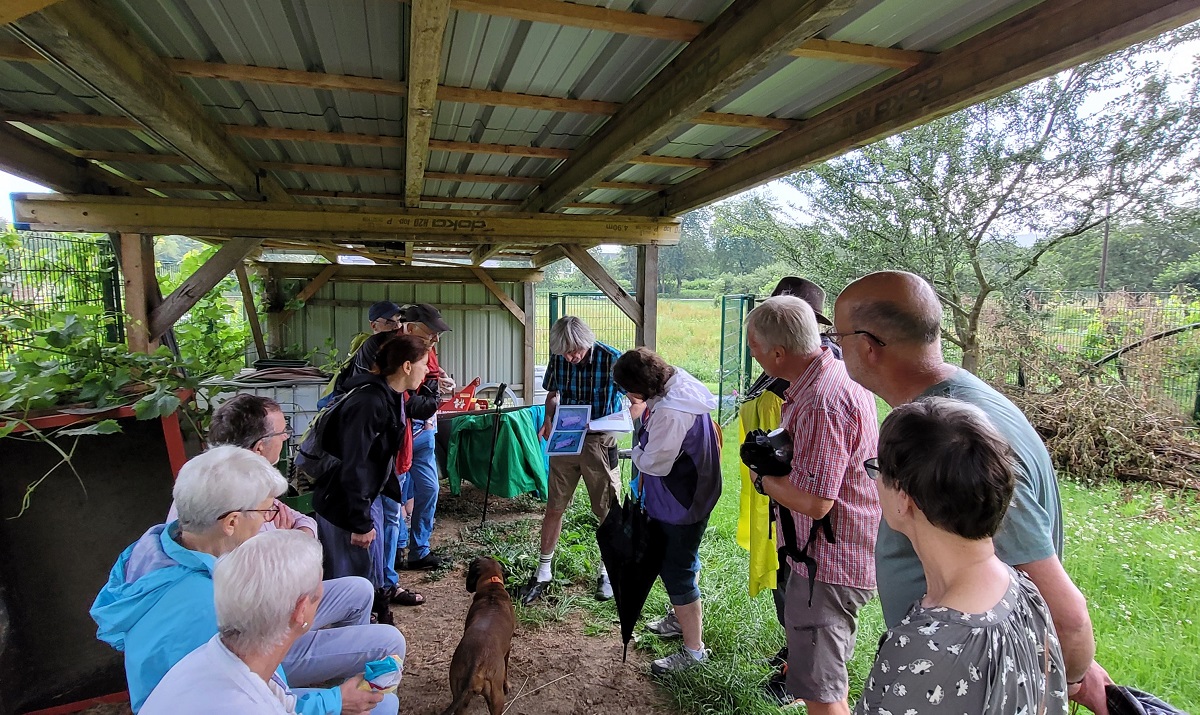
[
  {"x": 383, "y": 309},
  {"x": 427, "y": 314}
]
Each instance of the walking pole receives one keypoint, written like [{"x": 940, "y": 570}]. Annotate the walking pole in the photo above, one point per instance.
[{"x": 487, "y": 491}]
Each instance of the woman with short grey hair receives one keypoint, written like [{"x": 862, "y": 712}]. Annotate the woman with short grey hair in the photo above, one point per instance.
[{"x": 569, "y": 335}]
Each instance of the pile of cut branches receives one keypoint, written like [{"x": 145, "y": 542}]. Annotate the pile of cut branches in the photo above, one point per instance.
[{"x": 1098, "y": 431}]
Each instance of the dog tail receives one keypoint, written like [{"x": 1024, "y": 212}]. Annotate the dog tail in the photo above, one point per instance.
[{"x": 460, "y": 702}]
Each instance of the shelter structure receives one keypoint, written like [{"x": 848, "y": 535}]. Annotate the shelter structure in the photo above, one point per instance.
[{"x": 474, "y": 142}]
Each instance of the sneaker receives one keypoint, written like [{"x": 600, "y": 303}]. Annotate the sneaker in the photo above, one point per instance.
[
  {"x": 667, "y": 626},
  {"x": 678, "y": 661},
  {"x": 428, "y": 562},
  {"x": 604, "y": 590}
]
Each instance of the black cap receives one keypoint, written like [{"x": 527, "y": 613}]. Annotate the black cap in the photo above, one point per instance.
[
  {"x": 383, "y": 309},
  {"x": 427, "y": 314},
  {"x": 805, "y": 290}
]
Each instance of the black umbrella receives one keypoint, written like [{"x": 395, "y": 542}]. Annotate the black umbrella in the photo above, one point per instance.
[
  {"x": 632, "y": 546},
  {"x": 1129, "y": 701}
]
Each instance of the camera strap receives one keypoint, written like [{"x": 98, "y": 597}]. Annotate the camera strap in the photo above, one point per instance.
[{"x": 785, "y": 536}]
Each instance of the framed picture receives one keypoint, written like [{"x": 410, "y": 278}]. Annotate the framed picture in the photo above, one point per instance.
[
  {"x": 572, "y": 418},
  {"x": 565, "y": 443}
]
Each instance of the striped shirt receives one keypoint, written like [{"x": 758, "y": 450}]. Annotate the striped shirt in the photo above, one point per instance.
[
  {"x": 834, "y": 429},
  {"x": 588, "y": 382}
]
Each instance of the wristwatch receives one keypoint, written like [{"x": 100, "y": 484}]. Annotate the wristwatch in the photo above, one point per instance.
[{"x": 758, "y": 487}]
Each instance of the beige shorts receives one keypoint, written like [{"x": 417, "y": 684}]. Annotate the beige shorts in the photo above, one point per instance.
[
  {"x": 597, "y": 465},
  {"x": 820, "y": 638}
]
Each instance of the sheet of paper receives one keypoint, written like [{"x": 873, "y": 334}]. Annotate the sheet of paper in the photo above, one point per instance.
[{"x": 619, "y": 421}]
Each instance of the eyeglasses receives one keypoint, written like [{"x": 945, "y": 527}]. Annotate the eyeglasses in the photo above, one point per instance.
[
  {"x": 872, "y": 467},
  {"x": 284, "y": 433},
  {"x": 836, "y": 338},
  {"x": 268, "y": 514}
]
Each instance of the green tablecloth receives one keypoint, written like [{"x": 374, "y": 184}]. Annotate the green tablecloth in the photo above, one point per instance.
[{"x": 520, "y": 466}]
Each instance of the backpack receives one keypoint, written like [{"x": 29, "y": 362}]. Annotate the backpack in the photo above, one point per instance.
[{"x": 313, "y": 462}]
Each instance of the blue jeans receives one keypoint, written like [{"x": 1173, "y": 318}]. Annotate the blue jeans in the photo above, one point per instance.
[
  {"x": 423, "y": 487},
  {"x": 391, "y": 537}
]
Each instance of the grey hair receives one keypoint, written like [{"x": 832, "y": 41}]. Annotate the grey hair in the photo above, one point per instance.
[
  {"x": 221, "y": 480},
  {"x": 257, "y": 585},
  {"x": 786, "y": 321},
  {"x": 569, "y": 334}
]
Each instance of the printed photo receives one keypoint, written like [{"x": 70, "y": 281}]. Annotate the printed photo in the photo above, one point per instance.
[
  {"x": 566, "y": 443},
  {"x": 573, "y": 417}
]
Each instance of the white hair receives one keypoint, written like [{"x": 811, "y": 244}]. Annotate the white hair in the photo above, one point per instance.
[
  {"x": 257, "y": 585},
  {"x": 221, "y": 480},
  {"x": 569, "y": 334},
  {"x": 786, "y": 321}
]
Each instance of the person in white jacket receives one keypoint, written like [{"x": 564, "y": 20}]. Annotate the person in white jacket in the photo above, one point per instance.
[{"x": 677, "y": 452}]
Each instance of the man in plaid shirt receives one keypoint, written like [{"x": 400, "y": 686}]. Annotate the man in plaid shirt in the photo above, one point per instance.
[
  {"x": 834, "y": 429},
  {"x": 579, "y": 373}
]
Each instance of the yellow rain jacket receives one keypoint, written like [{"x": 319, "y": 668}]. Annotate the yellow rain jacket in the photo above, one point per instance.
[{"x": 754, "y": 519}]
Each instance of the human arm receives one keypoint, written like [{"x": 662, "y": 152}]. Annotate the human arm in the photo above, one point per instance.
[
  {"x": 355, "y": 701},
  {"x": 289, "y": 518},
  {"x": 551, "y": 408},
  {"x": 665, "y": 433},
  {"x": 822, "y": 445},
  {"x": 792, "y": 497},
  {"x": 361, "y": 426},
  {"x": 422, "y": 403}
]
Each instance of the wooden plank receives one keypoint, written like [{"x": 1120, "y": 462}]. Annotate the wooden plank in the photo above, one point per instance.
[
  {"x": 860, "y": 54},
  {"x": 529, "y": 300},
  {"x": 486, "y": 251},
  {"x": 91, "y": 42},
  {"x": 426, "y": 28},
  {"x": 1047, "y": 38},
  {"x": 630, "y": 185},
  {"x": 501, "y": 296},
  {"x": 134, "y": 280},
  {"x": 35, "y": 160},
  {"x": 317, "y": 283},
  {"x": 195, "y": 286},
  {"x": 647, "y": 295},
  {"x": 556, "y": 12},
  {"x": 740, "y": 43},
  {"x": 13, "y": 10},
  {"x": 421, "y": 274},
  {"x": 547, "y": 255},
  {"x": 686, "y": 162},
  {"x": 595, "y": 272},
  {"x": 60, "y": 212},
  {"x": 745, "y": 121},
  {"x": 260, "y": 345},
  {"x": 483, "y": 178}
]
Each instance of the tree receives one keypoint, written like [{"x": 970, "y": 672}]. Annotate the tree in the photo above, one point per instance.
[
  {"x": 959, "y": 199},
  {"x": 737, "y": 233},
  {"x": 691, "y": 258}
]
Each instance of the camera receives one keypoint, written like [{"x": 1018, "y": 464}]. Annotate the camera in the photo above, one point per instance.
[{"x": 768, "y": 454}]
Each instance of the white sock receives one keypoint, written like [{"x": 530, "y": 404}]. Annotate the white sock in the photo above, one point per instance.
[
  {"x": 697, "y": 654},
  {"x": 603, "y": 571},
  {"x": 543, "y": 572}
]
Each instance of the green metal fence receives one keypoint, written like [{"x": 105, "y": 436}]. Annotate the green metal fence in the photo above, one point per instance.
[
  {"x": 736, "y": 374},
  {"x": 606, "y": 320}
]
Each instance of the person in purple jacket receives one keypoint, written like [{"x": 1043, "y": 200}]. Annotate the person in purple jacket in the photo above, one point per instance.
[{"x": 678, "y": 455}]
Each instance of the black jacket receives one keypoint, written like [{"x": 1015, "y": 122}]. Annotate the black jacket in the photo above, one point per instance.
[
  {"x": 368, "y": 431},
  {"x": 422, "y": 402}
]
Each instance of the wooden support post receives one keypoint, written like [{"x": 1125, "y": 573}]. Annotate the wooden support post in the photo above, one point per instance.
[
  {"x": 311, "y": 289},
  {"x": 495, "y": 289},
  {"x": 199, "y": 283},
  {"x": 260, "y": 345},
  {"x": 530, "y": 300},
  {"x": 137, "y": 318},
  {"x": 647, "y": 295},
  {"x": 274, "y": 299},
  {"x": 596, "y": 274}
]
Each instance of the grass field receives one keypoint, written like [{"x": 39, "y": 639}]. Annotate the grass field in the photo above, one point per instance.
[{"x": 1135, "y": 554}]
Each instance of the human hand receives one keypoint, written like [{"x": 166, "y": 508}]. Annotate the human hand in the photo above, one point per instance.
[
  {"x": 636, "y": 408},
  {"x": 1090, "y": 692},
  {"x": 446, "y": 384},
  {"x": 544, "y": 432},
  {"x": 355, "y": 701},
  {"x": 362, "y": 541}
]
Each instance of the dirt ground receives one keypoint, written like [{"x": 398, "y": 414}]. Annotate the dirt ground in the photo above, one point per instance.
[{"x": 555, "y": 669}]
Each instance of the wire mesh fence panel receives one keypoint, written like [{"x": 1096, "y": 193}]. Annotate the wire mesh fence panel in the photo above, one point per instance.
[
  {"x": 607, "y": 321},
  {"x": 735, "y": 371},
  {"x": 44, "y": 274},
  {"x": 1146, "y": 341}
]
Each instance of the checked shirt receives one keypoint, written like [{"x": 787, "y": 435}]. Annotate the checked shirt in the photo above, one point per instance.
[
  {"x": 834, "y": 429},
  {"x": 587, "y": 383}
]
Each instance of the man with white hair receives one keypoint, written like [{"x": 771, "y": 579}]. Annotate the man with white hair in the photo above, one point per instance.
[
  {"x": 158, "y": 603},
  {"x": 267, "y": 593},
  {"x": 827, "y": 495},
  {"x": 579, "y": 373}
]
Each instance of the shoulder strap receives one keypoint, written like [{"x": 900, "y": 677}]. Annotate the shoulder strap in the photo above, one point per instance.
[{"x": 787, "y": 541}]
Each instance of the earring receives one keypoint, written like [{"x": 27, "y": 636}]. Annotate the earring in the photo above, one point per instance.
[{"x": 304, "y": 625}]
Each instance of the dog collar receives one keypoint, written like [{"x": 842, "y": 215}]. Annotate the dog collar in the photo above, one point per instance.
[{"x": 495, "y": 579}]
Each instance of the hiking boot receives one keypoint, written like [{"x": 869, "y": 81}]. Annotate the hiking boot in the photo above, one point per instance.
[
  {"x": 604, "y": 590},
  {"x": 533, "y": 590},
  {"x": 380, "y": 609},
  {"x": 667, "y": 626},
  {"x": 678, "y": 661},
  {"x": 428, "y": 562}
]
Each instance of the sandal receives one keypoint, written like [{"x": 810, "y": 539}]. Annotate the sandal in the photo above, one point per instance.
[{"x": 404, "y": 597}]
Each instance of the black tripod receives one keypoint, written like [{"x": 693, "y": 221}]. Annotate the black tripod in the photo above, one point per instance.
[{"x": 487, "y": 492}]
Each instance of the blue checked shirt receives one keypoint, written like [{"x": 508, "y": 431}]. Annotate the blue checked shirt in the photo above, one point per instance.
[{"x": 587, "y": 383}]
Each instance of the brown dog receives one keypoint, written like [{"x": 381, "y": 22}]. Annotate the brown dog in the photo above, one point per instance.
[{"x": 480, "y": 663}]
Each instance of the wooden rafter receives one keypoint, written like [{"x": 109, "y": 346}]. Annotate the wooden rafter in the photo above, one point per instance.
[
  {"x": 427, "y": 25},
  {"x": 13, "y": 10},
  {"x": 593, "y": 18},
  {"x": 496, "y": 290},
  {"x": 547, "y": 255},
  {"x": 748, "y": 36},
  {"x": 89, "y": 41},
  {"x": 423, "y": 274},
  {"x": 56, "y": 212},
  {"x": 24, "y": 155},
  {"x": 860, "y": 54},
  {"x": 1046, "y": 38},
  {"x": 312, "y": 287},
  {"x": 487, "y": 251},
  {"x": 228, "y": 256},
  {"x": 595, "y": 272}
]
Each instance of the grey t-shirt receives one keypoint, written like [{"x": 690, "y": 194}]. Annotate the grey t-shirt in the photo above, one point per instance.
[
  {"x": 942, "y": 661},
  {"x": 1032, "y": 529}
]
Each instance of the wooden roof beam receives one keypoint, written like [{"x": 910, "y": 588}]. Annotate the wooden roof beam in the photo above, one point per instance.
[
  {"x": 852, "y": 53},
  {"x": 427, "y": 26},
  {"x": 1047, "y": 38},
  {"x": 422, "y": 274},
  {"x": 748, "y": 36},
  {"x": 88, "y": 40},
  {"x": 24, "y": 155},
  {"x": 63, "y": 212},
  {"x": 13, "y": 10},
  {"x": 487, "y": 251},
  {"x": 547, "y": 255}
]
